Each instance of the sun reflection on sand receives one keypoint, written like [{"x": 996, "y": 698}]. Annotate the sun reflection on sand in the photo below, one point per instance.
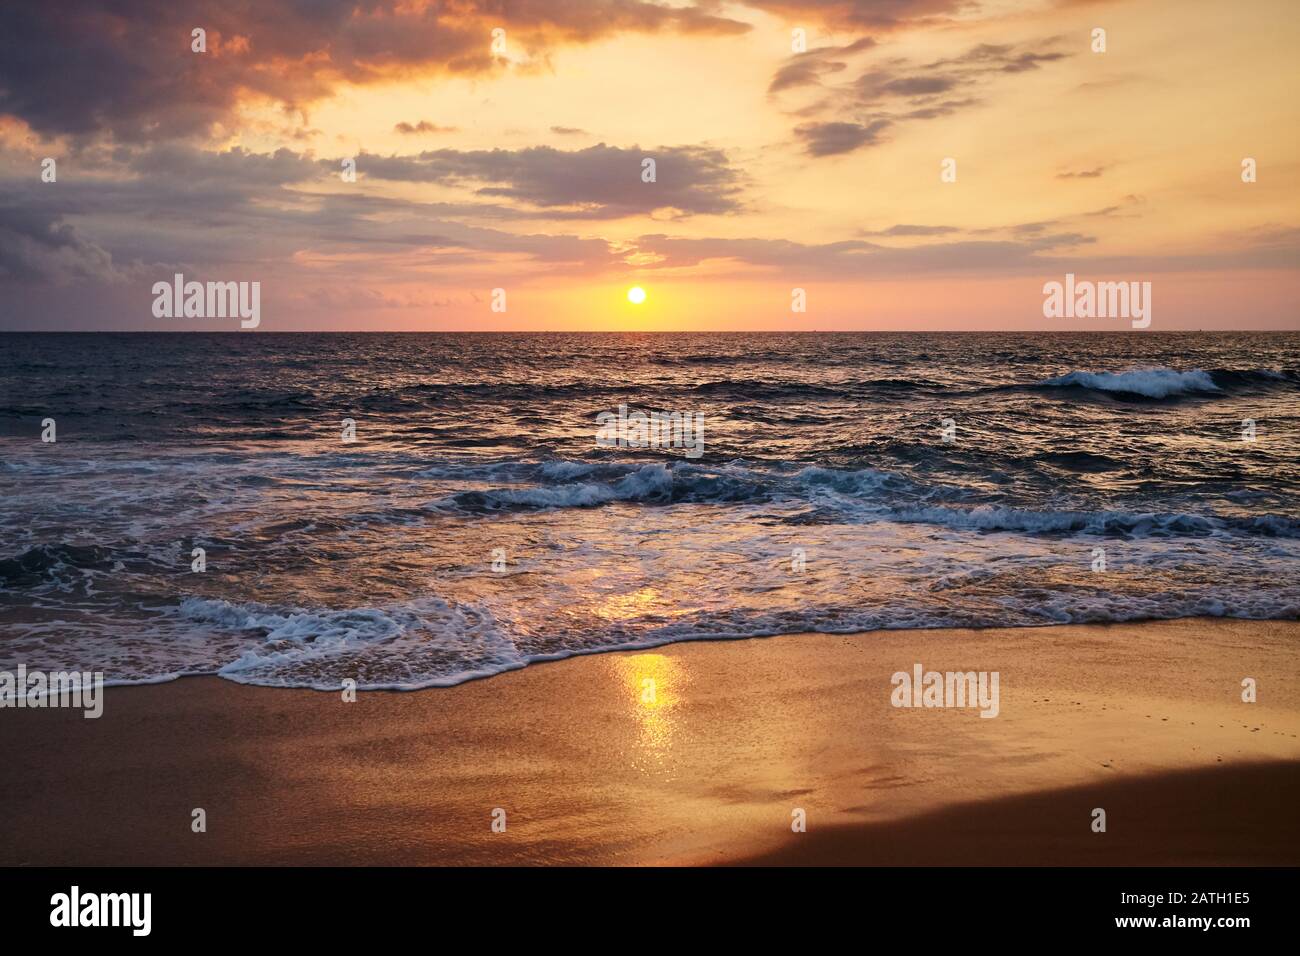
[{"x": 653, "y": 685}]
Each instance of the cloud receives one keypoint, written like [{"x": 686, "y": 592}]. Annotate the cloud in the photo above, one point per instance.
[
  {"x": 424, "y": 126},
  {"x": 999, "y": 57},
  {"x": 880, "y": 84},
  {"x": 806, "y": 69},
  {"x": 1094, "y": 173},
  {"x": 830, "y": 139},
  {"x": 876, "y": 14},
  {"x": 239, "y": 213},
  {"x": 599, "y": 182},
  {"x": 938, "y": 109},
  {"x": 236, "y": 212},
  {"x": 903, "y": 229},
  {"x": 1045, "y": 247},
  {"x": 36, "y": 244},
  {"x": 894, "y": 92},
  {"x": 568, "y": 131},
  {"x": 282, "y": 217},
  {"x": 86, "y": 67},
  {"x": 236, "y": 166},
  {"x": 857, "y": 259}
]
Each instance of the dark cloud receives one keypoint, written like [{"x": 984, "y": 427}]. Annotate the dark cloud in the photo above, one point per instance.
[
  {"x": 236, "y": 166},
  {"x": 36, "y": 244},
  {"x": 568, "y": 131},
  {"x": 1030, "y": 61},
  {"x": 879, "y": 84},
  {"x": 176, "y": 208},
  {"x": 830, "y": 139},
  {"x": 803, "y": 72},
  {"x": 876, "y": 14},
  {"x": 807, "y": 69},
  {"x": 83, "y": 67},
  {"x": 599, "y": 182}
]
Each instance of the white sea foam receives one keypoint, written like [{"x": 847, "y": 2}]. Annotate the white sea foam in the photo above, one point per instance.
[
  {"x": 426, "y": 642},
  {"x": 648, "y": 481},
  {"x": 991, "y": 518},
  {"x": 324, "y": 628},
  {"x": 861, "y": 481}
]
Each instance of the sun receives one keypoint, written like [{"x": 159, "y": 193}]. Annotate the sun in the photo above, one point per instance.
[{"x": 636, "y": 295}]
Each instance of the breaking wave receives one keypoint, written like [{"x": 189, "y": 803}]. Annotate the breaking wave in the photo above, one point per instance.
[{"x": 1148, "y": 382}]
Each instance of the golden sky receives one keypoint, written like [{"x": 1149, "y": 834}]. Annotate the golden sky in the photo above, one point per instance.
[{"x": 521, "y": 168}]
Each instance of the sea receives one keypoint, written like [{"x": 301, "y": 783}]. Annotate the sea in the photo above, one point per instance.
[{"x": 409, "y": 510}]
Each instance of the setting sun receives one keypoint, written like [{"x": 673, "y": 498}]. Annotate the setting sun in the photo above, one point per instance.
[{"x": 636, "y": 295}]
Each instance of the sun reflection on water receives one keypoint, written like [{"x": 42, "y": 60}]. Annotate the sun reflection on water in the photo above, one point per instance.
[{"x": 627, "y": 606}]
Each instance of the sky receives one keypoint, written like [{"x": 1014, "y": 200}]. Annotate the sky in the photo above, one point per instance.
[{"x": 906, "y": 164}]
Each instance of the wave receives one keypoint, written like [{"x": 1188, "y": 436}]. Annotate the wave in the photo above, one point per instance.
[
  {"x": 1148, "y": 382},
  {"x": 1231, "y": 378},
  {"x": 851, "y": 495},
  {"x": 558, "y": 485},
  {"x": 648, "y": 483},
  {"x": 990, "y": 518},
  {"x": 1161, "y": 382},
  {"x": 49, "y": 561}
]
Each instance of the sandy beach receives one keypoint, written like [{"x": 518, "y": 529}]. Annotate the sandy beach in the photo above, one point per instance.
[{"x": 1143, "y": 720}]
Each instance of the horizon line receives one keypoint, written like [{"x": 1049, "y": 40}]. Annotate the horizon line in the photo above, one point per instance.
[{"x": 242, "y": 332}]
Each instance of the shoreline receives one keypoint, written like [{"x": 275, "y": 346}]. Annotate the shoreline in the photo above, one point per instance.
[
  {"x": 656, "y": 647},
  {"x": 1143, "y": 719}
]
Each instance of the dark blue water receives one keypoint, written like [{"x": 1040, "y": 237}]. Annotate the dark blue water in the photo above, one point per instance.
[{"x": 845, "y": 482}]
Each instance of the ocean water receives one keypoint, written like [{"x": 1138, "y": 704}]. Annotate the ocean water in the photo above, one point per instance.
[{"x": 826, "y": 498}]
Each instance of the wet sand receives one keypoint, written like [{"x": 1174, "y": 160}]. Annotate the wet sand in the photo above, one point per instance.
[{"x": 1142, "y": 720}]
